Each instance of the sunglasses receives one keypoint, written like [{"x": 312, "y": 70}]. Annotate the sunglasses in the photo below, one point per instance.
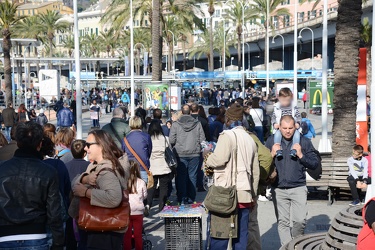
[{"x": 88, "y": 144}]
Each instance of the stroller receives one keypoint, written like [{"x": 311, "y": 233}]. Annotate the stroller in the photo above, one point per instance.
[{"x": 147, "y": 244}]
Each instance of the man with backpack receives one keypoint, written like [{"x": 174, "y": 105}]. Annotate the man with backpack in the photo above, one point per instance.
[{"x": 307, "y": 129}]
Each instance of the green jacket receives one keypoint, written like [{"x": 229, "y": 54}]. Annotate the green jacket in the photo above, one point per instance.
[
  {"x": 121, "y": 128},
  {"x": 265, "y": 160}
]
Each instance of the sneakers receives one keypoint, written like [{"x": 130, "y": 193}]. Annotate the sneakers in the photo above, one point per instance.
[
  {"x": 146, "y": 213},
  {"x": 293, "y": 153},
  {"x": 355, "y": 203},
  {"x": 262, "y": 198},
  {"x": 279, "y": 153}
]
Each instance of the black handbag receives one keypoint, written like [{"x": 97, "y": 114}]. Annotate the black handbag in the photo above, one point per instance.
[{"x": 170, "y": 156}]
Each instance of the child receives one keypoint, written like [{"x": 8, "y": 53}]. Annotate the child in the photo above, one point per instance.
[
  {"x": 284, "y": 107},
  {"x": 95, "y": 113},
  {"x": 137, "y": 194},
  {"x": 358, "y": 173},
  {"x": 41, "y": 119}
]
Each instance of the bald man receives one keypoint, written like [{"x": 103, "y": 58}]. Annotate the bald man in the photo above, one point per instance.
[{"x": 289, "y": 191}]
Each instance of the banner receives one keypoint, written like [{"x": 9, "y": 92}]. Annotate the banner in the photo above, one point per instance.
[
  {"x": 156, "y": 96},
  {"x": 145, "y": 63},
  {"x": 316, "y": 95},
  {"x": 362, "y": 125},
  {"x": 127, "y": 66}
]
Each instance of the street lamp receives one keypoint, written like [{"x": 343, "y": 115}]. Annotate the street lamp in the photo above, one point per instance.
[
  {"x": 295, "y": 54},
  {"x": 312, "y": 44},
  {"x": 26, "y": 73},
  {"x": 282, "y": 37},
  {"x": 248, "y": 56}
]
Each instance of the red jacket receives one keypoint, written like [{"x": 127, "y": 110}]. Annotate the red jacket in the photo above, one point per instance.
[{"x": 366, "y": 237}]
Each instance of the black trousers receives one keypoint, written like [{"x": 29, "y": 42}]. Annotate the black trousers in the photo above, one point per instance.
[
  {"x": 105, "y": 241},
  {"x": 356, "y": 192},
  {"x": 163, "y": 181}
]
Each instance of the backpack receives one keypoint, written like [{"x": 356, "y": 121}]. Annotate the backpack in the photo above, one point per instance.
[
  {"x": 304, "y": 128},
  {"x": 316, "y": 173}
]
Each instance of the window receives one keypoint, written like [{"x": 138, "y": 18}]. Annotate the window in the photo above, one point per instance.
[
  {"x": 301, "y": 17},
  {"x": 286, "y": 21},
  {"x": 137, "y": 23},
  {"x": 217, "y": 13},
  {"x": 313, "y": 14},
  {"x": 146, "y": 23},
  {"x": 96, "y": 31},
  {"x": 286, "y": 2},
  {"x": 60, "y": 39}
]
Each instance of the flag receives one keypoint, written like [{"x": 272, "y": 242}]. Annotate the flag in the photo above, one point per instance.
[{"x": 145, "y": 64}]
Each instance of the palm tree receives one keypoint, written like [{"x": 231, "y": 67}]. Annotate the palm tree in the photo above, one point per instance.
[
  {"x": 235, "y": 15},
  {"x": 260, "y": 7},
  {"x": 142, "y": 36},
  {"x": 50, "y": 23},
  {"x": 366, "y": 37},
  {"x": 156, "y": 42},
  {"x": 346, "y": 76},
  {"x": 107, "y": 40},
  {"x": 8, "y": 18}
]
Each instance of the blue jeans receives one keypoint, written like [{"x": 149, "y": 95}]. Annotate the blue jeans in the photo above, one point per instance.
[
  {"x": 8, "y": 131},
  {"x": 144, "y": 176},
  {"x": 259, "y": 131},
  {"x": 25, "y": 245},
  {"x": 95, "y": 123},
  {"x": 187, "y": 177},
  {"x": 241, "y": 241},
  {"x": 278, "y": 136}
]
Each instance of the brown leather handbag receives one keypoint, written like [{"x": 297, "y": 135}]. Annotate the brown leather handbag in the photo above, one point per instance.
[{"x": 94, "y": 218}]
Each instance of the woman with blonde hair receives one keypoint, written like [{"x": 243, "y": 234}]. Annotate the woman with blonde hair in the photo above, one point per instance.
[
  {"x": 49, "y": 130},
  {"x": 64, "y": 139},
  {"x": 103, "y": 188}
]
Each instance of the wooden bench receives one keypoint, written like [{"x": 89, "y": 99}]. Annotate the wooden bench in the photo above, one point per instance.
[
  {"x": 344, "y": 230},
  {"x": 334, "y": 177},
  {"x": 306, "y": 242}
]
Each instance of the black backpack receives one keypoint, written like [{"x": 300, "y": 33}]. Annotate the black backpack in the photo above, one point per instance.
[
  {"x": 316, "y": 173},
  {"x": 304, "y": 127}
]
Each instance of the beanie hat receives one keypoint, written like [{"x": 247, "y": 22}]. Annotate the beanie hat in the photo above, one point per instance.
[{"x": 234, "y": 112}]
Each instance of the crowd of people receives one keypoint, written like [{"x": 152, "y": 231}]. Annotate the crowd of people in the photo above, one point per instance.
[{"x": 239, "y": 144}]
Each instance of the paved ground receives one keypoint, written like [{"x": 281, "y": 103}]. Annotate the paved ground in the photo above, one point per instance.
[{"x": 319, "y": 217}]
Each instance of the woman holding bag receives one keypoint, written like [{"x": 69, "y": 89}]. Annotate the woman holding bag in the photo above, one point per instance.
[
  {"x": 103, "y": 184},
  {"x": 159, "y": 167}
]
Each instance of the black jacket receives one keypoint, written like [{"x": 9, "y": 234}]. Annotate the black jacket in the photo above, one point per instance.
[
  {"x": 29, "y": 197},
  {"x": 205, "y": 126},
  {"x": 292, "y": 172}
]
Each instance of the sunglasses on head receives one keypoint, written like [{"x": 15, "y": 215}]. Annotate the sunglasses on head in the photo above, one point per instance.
[{"x": 88, "y": 144}]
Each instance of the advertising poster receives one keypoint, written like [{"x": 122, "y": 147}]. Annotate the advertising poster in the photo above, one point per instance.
[
  {"x": 362, "y": 125},
  {"x": 156, "y": 96},
  {"x": 316, "y": 95}
]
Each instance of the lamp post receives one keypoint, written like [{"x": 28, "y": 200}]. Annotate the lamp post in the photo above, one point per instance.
[
  {"x": 373, "y": 105},
  {"x": 312, "y": 44},
  {"x": 26, "y": 74},
  {"x": 78, "y": 71},
  {"x": 282, "y": 38},
  {"x": 132, "y": 90},
  {"x": 224, "y": 45},
  {"x": 248, "y": 56},
  {"x": 295, "y": 54},
  {"x": 173, "y": 61}
]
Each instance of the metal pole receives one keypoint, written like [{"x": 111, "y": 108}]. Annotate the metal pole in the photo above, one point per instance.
[
  {"x": 248, "y": 55},
  {"x": 268, "y": 51},
  {"x": 295, "y": 79},
  {"x": 224, "y": 43},
  {"x": 372, "y": 92},
  {"x": 78, "y": 71},
  {"x": 13, "y": 85},
  {"x": 173, "y": 59},
  {"x": 132, "y": 90},
  {"x": 283, "y": 51},
  {"x": 243, "y": 52},
  {"x": 25, "y": 68},
  {"x": 324, "y": 143},
  {"x": 312, "y": 50}
]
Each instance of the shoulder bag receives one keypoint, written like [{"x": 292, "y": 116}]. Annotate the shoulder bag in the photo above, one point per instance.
[
  {"x": 94, "y": 218},
  {"x": 169, "y": 156},
  {"x": 150, "y": 182},
  {"x": 223, "y": 200}
]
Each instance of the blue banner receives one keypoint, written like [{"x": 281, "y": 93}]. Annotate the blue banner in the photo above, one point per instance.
[{"x": 83, "y": 75}]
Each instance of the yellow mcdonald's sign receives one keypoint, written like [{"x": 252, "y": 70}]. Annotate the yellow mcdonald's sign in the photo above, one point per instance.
[{"x": 318, "y": 93}]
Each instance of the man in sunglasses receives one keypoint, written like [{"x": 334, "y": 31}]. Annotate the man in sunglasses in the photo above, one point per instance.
[{"x": 29, "y": 195}]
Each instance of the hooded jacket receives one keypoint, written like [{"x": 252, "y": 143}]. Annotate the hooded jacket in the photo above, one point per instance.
[{"x": 186, "y": 136}]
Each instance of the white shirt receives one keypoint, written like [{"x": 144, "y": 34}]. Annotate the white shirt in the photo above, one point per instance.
[{"x": 257, "y": 115}]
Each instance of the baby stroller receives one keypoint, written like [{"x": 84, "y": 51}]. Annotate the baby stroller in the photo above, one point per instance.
[{"x": 147, "y": 244}]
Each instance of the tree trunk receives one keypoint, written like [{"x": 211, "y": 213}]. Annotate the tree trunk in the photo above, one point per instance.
[
  {"x": 348, "y": 28},
  {"x": 50, "y": 52},
  {"x": 156, "y": 42},
  {"x": 368, "y": 69},
  {"x": 184, "y": 55},
  {"x": 7, "y": 66}
]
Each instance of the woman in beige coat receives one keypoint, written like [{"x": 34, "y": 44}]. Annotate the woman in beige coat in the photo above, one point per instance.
[
  {"x": 158, "y": 166},
  {"x": 108, "y": 191}
]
